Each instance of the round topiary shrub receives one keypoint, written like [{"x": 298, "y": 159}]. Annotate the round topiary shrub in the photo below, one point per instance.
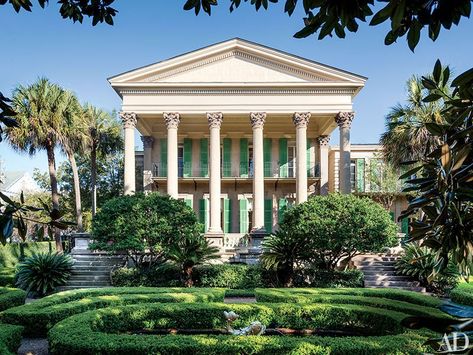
[
  {"x": 151, "y": 229},
  {"x": 326, "y": 229}
]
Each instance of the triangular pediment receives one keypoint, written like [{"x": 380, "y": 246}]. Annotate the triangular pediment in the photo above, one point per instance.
[{"x": 236, "y": 61}]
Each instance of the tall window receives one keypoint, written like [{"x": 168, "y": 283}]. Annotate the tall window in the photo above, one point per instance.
[
  {"x": 353, "y": 175},
  {"x": 180, "y": 160},
  {"x": 291, "y": 161},
  {"x": 251, "y": 165}
]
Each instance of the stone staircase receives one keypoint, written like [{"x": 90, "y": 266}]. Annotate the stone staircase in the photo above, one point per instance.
[
  {"x": 380, "y": 272},
  {"x": 91, "y": 269}
]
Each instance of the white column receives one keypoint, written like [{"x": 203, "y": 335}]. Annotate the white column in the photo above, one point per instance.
[
  {"x": 129, "y": 123},
  {"x": 257, "y": 120},
  {"x": 148, "y": 163},
  {"x": 172, "y": 120},
  {"x": 343, "y": 120},
  {"x": 215, "y": 120},
  {"x": 323, "y": 146},
  {"x": 301, "y": 120}
]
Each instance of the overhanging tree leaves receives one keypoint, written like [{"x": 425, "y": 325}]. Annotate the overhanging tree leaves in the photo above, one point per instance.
[{"x": 444, "y": 181}]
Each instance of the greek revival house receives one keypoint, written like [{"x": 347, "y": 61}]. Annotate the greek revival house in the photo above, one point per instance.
[{"x": 239, "y": 131}]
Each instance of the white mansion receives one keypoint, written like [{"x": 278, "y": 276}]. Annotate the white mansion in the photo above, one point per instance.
[{"x": 239, "y": 131}]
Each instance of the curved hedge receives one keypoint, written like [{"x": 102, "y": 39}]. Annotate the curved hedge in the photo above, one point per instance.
[
  {"x": 463, "y": 294},
  {"x": 108, "y": 330},
  {"x": 10, "y": 338},
  {"x": 11, "y": 297},
  {"x": 38, "y": 317}
]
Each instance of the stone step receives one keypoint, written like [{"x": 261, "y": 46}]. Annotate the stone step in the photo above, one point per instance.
[
  {"x": 375, "y": 258},
  {"x": 107, "y": 263},
  {"x": 377, "y": 268},
  {"x": 81, "y": 267},
  {"x": 67, "y": 288},
  {"x": 380, "y": 273},
  {"x": 88, "y": 283},
  {"x": 415, "y": 289},
  {"x": 377, "y": 277},
  {"x": 90, "y": 272},
  {"x": 88, "y": 278},
  {"x": 392, "y": 283},
  {"x": 374, "y": 263}
]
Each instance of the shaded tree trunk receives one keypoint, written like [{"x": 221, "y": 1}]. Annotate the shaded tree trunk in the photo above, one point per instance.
[
  {"x": 54, "y": 191},
  {"x": 93, "y": 178},
  {"x": 75, "y": 174},
  {"x": 187, "y": 275}
]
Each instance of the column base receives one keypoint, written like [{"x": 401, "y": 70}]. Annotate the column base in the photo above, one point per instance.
[
  {"x": 256, "y": 237},
  {"x": 215, "y": 238}
]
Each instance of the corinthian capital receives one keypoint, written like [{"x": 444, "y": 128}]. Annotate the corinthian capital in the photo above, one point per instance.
[
  {"x": 344, "y": 119},
  {"x": 215, "y": 119},
  {"x": 257, "y": 119},
  {"x": 171, "y": 119},
  {"x": 147, "y": 141},
  {"x": 323, "y": 140},
  {"x": 128, "y": 119},
  {"x": 301, "y": 119}
]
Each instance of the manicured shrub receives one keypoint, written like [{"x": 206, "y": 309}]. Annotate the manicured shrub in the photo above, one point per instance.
[
  {"x": 229, "y": 276},
  {"x": 11, "y": 297},
  {"x": 151, "y": 229},
  {"x": 7, "y": 276},
  {"x": 105, "y": 330},
  {"x": 11, "y": 254},
  {"x": 463, "y": 294},
  {"x": 313, "y": 277},
  {"x": 10, "y": 339},
  {"x": 41, "y": 274},
  {"x": 326, "y": 229},
  {"x": 39, "y": 316},
  {"x": 167, "y": 275},
  {"x": 419, "y": 263}
]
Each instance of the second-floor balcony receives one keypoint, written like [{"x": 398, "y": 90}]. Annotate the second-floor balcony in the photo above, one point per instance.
[{"x": 238, "y": 170}]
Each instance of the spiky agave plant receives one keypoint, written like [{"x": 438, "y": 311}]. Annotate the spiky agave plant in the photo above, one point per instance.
[{"x": 40, "y": 274}]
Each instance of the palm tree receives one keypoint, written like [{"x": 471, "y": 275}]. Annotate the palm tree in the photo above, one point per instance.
[
  {"x": 43, "y": 119},
  {"x": 407, "y": 137},
  {"x": 74, "y": 142},
  {"x": 105, "y": 138}
]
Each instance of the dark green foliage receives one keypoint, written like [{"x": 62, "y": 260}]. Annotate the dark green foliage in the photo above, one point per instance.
[
  {"x": 240, "y": 293},
  {"x": 104, "y": 330},
  {"x": 443, "y": 182},
  {"x": 41, "y": 274},
  {"x": 309, "y": 294},
  {"x": 463, "y": 294},
  {"x": 325, "y": 230},
  {"x": 10, "y": 339},
  {"x": 407, "y": 18},
  {"x": 40, "y": 316},
  {"x": 419, "y": 263},
  {"x": 152, "y": 229},
  {"x": 11, "y": 297},
  {"x": 233, "y": 276},
  {"x": 7, "y": 276}
]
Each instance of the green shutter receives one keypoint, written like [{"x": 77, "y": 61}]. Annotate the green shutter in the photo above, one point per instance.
[
  {"x": 283, "y": 169},
  {"x": 163, "y": 171},
  {"x": 405, "y": 226},
  {"x": 244, "y": 161},
  {"x": 203, "y": 213},
  {"x": 188, "y": 202},
  {"x": 244, "y": 225},
  {"x": 227, "y": 215},
  {"x": 187, "y": 157},
  {"x": 268, "y": 215},
  {"x": 282, "y": 208},
  {"x": 360, "y": 175},
  {"x": 309, "y": 163},
  {"x": 267, "y": 146},
  {"x": 227, "y": 157},
  {"x": 204, "y": 157}
]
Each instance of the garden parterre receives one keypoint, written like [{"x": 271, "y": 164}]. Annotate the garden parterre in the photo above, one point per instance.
[{"x": 110, "y": 320}]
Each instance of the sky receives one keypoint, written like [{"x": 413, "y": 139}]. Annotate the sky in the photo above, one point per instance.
[{"x": 81, "y": 57}]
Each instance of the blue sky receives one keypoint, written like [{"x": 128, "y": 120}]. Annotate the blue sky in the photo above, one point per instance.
[{"x": 81, "y": 57}]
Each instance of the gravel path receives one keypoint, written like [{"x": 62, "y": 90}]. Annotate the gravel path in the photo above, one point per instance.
[
  {"x": 34, "y": 346},
  {"x": 239, "y": 300}
]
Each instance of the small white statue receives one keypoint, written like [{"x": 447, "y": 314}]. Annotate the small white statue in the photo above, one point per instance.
[{"x": 255, "y": 328}]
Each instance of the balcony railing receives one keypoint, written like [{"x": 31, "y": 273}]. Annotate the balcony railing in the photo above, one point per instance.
[{"x": 239, "y": 170}]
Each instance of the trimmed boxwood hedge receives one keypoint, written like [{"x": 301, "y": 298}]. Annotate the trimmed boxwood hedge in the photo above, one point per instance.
[
  {"x": 463, "y": 294},
  {"x": 39, "y": 316},
  {"x": 11, "y": 297},
  {"x": 10, "y": 338},
  {"x": 308, "y": 295},
  {"x": 105, "y": 330},
  {"x": 12, "y": 253}
]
